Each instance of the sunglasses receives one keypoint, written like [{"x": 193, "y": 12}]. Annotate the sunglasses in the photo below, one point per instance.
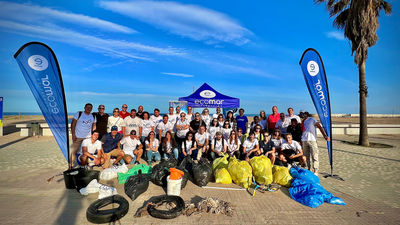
[
  {"x": 124, "y": 107},
  {"x": 151, "y": 134},
  {"x": 116, "y": 111},
  {"x": 101, "y": 108},
  {"x": 182, "y": 116}
]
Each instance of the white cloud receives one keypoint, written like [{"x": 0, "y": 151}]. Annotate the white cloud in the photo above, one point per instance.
[
  {"x": 191, "y": 21},
  {"x": 116, "y": 94},
  {"x": 178, "y": 74},
  {"x": 38, "y": 15},
  {"x": 336, "y": 35},
  {"x": 115, "y": 48}
]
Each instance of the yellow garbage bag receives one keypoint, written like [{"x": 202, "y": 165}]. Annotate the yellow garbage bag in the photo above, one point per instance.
[
  {"x": 221, "y": 162},
  {"x": 281, "y": 176},
  {"x": 222, "y": 176},
  {"x": 262, "y": 169},
  {"x": 240, "y": 172}
]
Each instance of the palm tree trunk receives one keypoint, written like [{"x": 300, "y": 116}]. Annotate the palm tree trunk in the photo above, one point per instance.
[{"x": 363, "y": 138}]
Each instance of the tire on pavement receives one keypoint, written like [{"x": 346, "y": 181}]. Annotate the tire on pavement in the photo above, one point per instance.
[{"x": 95, "y": 215}]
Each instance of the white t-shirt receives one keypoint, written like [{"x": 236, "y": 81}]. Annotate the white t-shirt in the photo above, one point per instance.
[
  {"x": 277, "y": 142},
  {"x": 296, "y": 117},
  {"x": 164, "y": 127},
  {"x": 310, "y": 133},
  {"x": 146, "y": 126},
  {"x": 156, "y": 120},
  {"x": 83, "y": 128},
  {"x": 282, "y": 125},
  {"x": 172, "y": 118},
  {"x": 114, "y": 121},
  {"x": 221, "y": 124},
  {"x": 295, "y": 146},
  {"x": 182, "y": 133},
  {"x": 215, "y": 115},
  {"x": 250, "y": 145},
  {"x": 206, "y": 119},
  {"x": 91, "y": 147},
  {"x": 189, "y": 117},
  {"x": 130, "y": 145},
  {"x": 155, "y": 144},
  {"x": 212, "y": 131},
  {"x": 218, "y": 145},
  {"x": 232, "y": 146},
  {"x": 188, "y": 145},
  {"x": 226, "y": 132},
  {"x": 132, "y": 124},
  {"x": 201, "y": 138}
]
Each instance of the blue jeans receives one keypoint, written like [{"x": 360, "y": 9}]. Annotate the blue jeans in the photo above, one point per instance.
[
  {"x": 175, "y": 151},
  {"x": 151, "y": 155}
]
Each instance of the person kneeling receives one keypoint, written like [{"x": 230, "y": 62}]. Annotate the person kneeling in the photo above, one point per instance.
[
  {"x": 132, "y": 147},
  {"x": 91, "y": 151},
  {"x": 112, "y": 147},
  {"x": 291, "y": 152},
  {"x": 251, "y": 147},
  {"x": 218, "y": 146}
]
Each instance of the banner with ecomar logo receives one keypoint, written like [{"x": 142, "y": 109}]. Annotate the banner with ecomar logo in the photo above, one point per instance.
[
  {"x": 315, "y": 77},
  {"x": 39, "y": 66}
]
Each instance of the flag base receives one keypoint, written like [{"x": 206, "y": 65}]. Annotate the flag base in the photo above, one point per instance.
[{"x": 334, "y": 176}]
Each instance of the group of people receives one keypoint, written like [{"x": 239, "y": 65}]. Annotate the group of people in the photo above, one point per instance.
[{"x": 101, "y": 139}]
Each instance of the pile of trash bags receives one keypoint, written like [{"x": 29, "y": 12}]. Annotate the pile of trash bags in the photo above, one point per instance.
[{"x": 306, "y": 189}]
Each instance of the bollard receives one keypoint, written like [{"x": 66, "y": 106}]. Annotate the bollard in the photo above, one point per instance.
[{"x": 35, "y": 129}]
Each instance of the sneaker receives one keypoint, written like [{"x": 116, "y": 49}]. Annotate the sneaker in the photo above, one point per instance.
[
  {"x": 289, "y": 166},
  {"x": 137, "y": 162}
]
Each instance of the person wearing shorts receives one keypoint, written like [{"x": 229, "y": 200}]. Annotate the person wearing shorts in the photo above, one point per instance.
[
  {"x": 132, "y": 147},
  {"x": 91, "y": 151},
  {"x": 291, "y": 151},
  {"x": 111, "y": 147}
]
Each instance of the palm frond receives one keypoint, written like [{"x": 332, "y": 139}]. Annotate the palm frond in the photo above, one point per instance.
[
  {"x": 387, "y": 7},
  {"x": 330, "y": 3},
  {"x": 341, "y": 19},
  {"x": 338, "y": 7}
]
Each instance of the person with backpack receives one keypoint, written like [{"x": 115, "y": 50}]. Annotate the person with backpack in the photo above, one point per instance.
[
  {"x": 82, "y": 126},
  {"x": 218, "y": 146}
]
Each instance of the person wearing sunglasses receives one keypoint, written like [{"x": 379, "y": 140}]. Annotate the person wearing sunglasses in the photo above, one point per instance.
[
  {"x": 205, "y": 116},
  {"x": 218, "y": 112},
  {"x": 152, "y": 145},
  {"x": 202, "y": 140},
  {"x": 132, "y": 147},
  {"x": 226, "y": 130},
  {"x": 131, "y": 122},
  {"x": 233, "y": 145},
  {"x": 156, "y": 118},
  {"x": 124, "y": 113},
  {"x": 214, "y": 128},
  {"x": 115, "y": 120},
  {"x": 267, "y": 147},
  {"x": 283, "y": 123},
  {"x": 189, "y": 115},
  {"x": 112, "y": 147},
  {"x": 101, "y": 121},
  {"x": 221, "y": 120},
  {"x": 196, "y": 123},
  {"x": 182, "y": 127},
  {"x": 145, "y": 126}
]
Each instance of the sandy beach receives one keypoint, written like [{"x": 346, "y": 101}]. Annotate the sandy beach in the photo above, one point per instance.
[{"x": 371, "y": 188}]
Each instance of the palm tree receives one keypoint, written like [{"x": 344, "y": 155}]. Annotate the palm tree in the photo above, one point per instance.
[{"x": 359, "y": 20}]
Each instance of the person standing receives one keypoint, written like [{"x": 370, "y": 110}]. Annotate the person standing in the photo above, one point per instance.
[
  {"x": 140, "y": 112},
  {"x": 115, "y": 120},
  {"x": 172, "y": 118},
  {"x": 145, "y": 127},
  {"x": 101, "y": 121},
  {"x": 282, "y": 123},
  {"x": 309, "y": 141},
  {"x": 189, "y": 115},
  {"x": 295, "y": 130},
  {"x": 124, "y": 113},
  {"x": 263, "y": 120},
  {"x": 163, "y": 127},
  {"x": 291, "y": 115},
  {"x": 182, "y": 127},
  {"x": 156, "y": 118},
  {"x": 242, "y": 121},
  {"x": 272, "y": 119},
  {"x": 82, "y": 126},
  {"x": 205, "y": 116},
  {"x": 215, "y": 115},
  {"x": 131, "y": 122},
  {"x": 231, "y": 120},
  {"x": 196, "y": 123}
]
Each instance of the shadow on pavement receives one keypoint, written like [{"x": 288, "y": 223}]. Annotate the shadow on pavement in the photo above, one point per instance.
[
  {"x": 13, "y": 142},
  {"x": 72, "y": 202}
]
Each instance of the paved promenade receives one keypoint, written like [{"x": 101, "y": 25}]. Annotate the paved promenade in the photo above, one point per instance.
[{"x": 371, "y": 189}]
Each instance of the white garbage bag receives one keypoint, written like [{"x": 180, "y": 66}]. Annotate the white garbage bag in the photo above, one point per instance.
[{"x": 106, "y": 191}]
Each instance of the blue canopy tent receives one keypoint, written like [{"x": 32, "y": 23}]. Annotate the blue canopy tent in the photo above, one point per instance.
[{"x": 207, "y": 97}]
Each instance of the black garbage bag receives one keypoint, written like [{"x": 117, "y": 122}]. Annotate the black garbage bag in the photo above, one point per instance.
[
  {"x": 185, "y": 177},
  {"x": 187, "y": 163},
  {"x": 169, "y": 163},
  {"x": 136, "y": 185},
  {"x": 159, "y": 175},
  {"x": 202, "y": 172}
]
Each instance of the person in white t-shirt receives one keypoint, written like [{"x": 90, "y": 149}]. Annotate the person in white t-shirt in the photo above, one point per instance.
[
  {"x": 220, "y": 120},
  {"x": 182, "y": 127},
  {"x": 226, "y": 130},
  {"x": 177, "y": 113},
  {"x": 152, "y": 145},
  {"x": 251, "y": 147},
  {"x": 205, "y": 116},
  {"x": 82, "y": 126},
  {"x": 189, "y": 147},
  {"x": 214, "y": 128},
  {"x": 291, "y": 152},
  {"x": 163, "y": 127},
  {"x": 309, "y": 141},
  {"x": 282, "y": 123},
  {"x": 233, "y": 145},
  {"x": 172, "y": 118},
  {"x": 131, "y": 122},
  {"x": 202, "y": 142},
  {"x": 189, "y": 115},
  {"x": 218, "y": 112},
  {"x": 145, "y": 127},
  {"x": 132, "y": 148},
  {"x": 169, "y": 147},
  {"x": 291, "y": 115},
  {"x": 156, "y": 118},
  {"x": 115, "y": 120},
  {"x": 91, "y": 150},
  {"x": 218, "y": 146}
]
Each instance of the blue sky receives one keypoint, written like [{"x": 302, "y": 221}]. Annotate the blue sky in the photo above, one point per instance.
[{"x": 149, "y": 52}]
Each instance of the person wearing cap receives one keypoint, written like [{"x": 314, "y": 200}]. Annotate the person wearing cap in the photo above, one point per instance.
[
  {"x": 112, "y": 147},
  {"x": 132, "y": 147}
]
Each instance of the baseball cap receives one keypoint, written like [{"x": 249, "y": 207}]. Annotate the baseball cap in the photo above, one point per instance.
[{"x": 114, "y": 128}]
